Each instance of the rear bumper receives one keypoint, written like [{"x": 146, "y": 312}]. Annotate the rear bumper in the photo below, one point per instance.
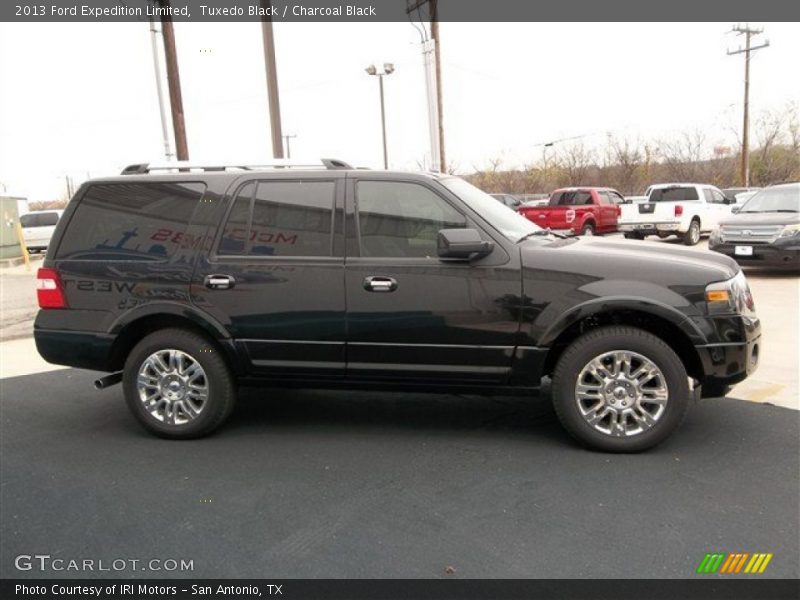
[
  {"x": 772, "y": 255},
  {"x": 83, "y": 350},
  {"x": 650, "y": 227}
]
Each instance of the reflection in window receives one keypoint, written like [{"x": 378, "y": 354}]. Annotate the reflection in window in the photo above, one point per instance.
[
  {"x": 289, "y": 218},
  {"x": 402, "y": 219}
]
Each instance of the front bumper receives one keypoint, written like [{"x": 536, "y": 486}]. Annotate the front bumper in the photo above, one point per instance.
[
  {"x": 778, "y": 254},
  {"x": 726, "y": 363}
]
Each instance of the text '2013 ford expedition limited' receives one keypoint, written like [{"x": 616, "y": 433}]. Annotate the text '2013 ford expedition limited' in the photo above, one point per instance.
[{"x": 184, "y": 284}]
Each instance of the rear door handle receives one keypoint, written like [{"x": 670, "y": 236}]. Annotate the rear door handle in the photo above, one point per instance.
[
  {"x": 380, "y": 284},
  {"x": 219, "y": 282}
]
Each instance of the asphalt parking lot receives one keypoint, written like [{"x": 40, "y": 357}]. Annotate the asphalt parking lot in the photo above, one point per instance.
[
  {"x": 362, "y": 485},
  {"x": 323, "y": 484}
]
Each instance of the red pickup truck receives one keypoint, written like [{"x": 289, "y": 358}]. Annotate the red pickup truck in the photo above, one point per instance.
[{"x": 578, "y": 211}]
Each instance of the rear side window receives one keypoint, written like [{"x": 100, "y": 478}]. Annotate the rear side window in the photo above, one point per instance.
[
  {"x": 46, "y": 219},
  {"x": 130, "y": 221},
  {"x": 280, "y": 218},
  {"x": 673, "y": 194},
  {"x": 571, "y": 198}
]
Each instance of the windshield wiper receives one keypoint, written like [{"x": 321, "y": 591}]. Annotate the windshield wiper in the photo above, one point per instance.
[{"x": 538, "y": 232}]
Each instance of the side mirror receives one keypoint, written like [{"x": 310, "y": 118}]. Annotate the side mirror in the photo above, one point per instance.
[
  {"x": 462, "y": 244},
  {"x": 736, "y": 209}
]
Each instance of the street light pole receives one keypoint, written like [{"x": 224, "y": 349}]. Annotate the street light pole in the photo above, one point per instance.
[{"x": 388, "y": 69}]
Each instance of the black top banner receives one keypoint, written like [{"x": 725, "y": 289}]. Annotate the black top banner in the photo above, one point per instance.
[{"x": 399, "y": 10}]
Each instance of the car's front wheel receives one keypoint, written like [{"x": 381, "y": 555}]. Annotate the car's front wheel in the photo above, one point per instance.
[
  {"x": 620, "y": 389},
  {"x": 177, "y": 385}
]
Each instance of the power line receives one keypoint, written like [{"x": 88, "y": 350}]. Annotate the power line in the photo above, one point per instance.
[{"x": 748, "y": 32}]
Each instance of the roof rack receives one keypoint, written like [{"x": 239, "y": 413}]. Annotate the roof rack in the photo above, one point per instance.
[{"x": 185, "y": 165}]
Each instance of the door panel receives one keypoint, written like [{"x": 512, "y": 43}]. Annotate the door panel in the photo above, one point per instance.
[
  {"x": 284, "y": 303},
  {"x": 440, "y": 320}
]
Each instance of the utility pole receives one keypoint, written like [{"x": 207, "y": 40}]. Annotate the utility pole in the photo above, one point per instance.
[
  {"x": 288, "y": 137},
  {"x": 434, "y": 12},
  {"x": 272, "y": 80},
  {"x": 431, "y": 60},
  {"x": 159, "y": 89},
  {"x": 748, "y": 32},
  {"x": 174, "y": 83}
]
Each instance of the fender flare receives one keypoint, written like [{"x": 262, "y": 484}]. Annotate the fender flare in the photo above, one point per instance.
[
  {"x": 609, "y": 304},
  {"x": 198, "y": 317}
]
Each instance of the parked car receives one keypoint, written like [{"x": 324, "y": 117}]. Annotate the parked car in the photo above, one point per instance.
[
  {"x": 509, "y": 200},
  {"x": 765, "y": 231},
  {"x": 184, "y": 284},
  {"x": 38, "y": 227},
  {"x": 683, "y": 209},
  {"x": 578, "y": 211},
  {"x": 733, "y": 193}
]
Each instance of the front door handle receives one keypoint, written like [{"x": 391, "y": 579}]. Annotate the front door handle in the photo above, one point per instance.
[
  {"x": 380, "y": 284},
  {"x": 219, "y": 282}
]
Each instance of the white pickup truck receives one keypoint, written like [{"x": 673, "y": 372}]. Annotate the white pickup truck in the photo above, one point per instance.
[{"x": 683, "y": 209}]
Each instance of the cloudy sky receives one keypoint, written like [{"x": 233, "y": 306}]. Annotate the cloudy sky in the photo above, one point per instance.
[{"x": 80, "y": 98}]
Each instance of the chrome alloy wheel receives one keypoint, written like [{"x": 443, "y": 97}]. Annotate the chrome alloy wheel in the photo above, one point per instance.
[
  {"x": 621, "y": 393},
  {"x": 172, "y": 386}
]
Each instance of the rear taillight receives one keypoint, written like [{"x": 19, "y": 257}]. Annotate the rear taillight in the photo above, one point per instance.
[
  {"x": 570, "y": 215},
  {"x": 678, "y": 210},
  {"x": 619, "y": 210},
  {"x": 49, "y": 289}
]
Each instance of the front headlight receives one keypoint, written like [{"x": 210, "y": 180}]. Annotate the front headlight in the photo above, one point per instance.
[
  {"x": 730, "y": 297},
  {"x": 791, "y": 230}
]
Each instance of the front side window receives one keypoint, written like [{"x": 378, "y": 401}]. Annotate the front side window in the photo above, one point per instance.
[
  {"x": 131, "y": 221},
  {"x": 398, "y": 219},
  {"x": 280, "y": 218}
]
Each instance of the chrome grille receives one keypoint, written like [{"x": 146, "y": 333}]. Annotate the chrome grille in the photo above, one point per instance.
[{"x": 752, "y": 234}]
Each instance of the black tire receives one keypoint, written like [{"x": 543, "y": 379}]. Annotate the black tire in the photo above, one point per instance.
[
  {"x": 220, "y": 383},
  {"x": 633, "y": 236},
  {"x": 588, "y": 229},
  {"x": 630, "y": 339},
  {"x": 692, "y": 235}
]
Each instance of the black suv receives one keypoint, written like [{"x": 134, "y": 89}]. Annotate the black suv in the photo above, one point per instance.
[{"x": 186, "y": 281}]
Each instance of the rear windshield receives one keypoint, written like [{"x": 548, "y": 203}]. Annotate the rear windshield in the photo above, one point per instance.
[
  {"x": 47, "y": 219},
  {"x": 573, "y": 198},
  {"x": 130, "y": 221},
  {"x": 673, "y": 194}
]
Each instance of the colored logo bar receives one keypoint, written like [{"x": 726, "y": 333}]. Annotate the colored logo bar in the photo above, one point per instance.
[{"x": 734, "y": 562}]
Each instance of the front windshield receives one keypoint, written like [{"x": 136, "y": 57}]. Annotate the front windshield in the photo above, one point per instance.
[
  {"x": 781, "y": 198},
  {"x": 507, "y": 221}
]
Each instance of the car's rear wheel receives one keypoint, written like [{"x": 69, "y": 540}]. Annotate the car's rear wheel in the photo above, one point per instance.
[
  {"x": 692, "y": 235},
  {"x": 177, "y": 385},
  {"x": 620, "y": 389},
  {"x": 588, "y": 229}
]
